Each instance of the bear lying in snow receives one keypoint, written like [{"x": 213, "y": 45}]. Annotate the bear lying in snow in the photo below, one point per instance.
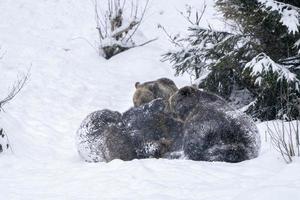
[
  {"x": 213, "y": 131},
  {"x": 196, "y": 125},
  {"x": 141, "y": 132},
  {"x": 154, "y": 133},
  {"x": 101, "y": 138}
]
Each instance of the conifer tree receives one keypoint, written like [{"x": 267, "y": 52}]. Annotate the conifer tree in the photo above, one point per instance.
[{"x": 260, "y": 54}]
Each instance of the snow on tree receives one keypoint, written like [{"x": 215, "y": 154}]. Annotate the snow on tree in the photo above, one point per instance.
[
  {"x": 260, "y": 54},
  {"x": 290, "y": 15},
  {"x": 262, "y": 64}
]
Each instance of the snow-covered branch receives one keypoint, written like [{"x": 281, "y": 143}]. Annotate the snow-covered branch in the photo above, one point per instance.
[
  {"x": 290, "y": 15},
  {"x": 262, "y": 64}
]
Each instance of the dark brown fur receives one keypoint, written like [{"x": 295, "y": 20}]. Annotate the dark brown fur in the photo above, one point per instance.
[{"x": 148, "y": 91}]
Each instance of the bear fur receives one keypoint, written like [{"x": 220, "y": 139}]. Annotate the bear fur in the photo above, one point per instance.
[
  {"x": 186, "y": 99},
  {"x": 191, "y": 124},
  {"x": 154, "y": 132},
  {"x": 101, "y": 138},
  {"x": 148, "y": 91},
  {"x": 213, "y": 131},
  {"x": 211, "y": 135}
]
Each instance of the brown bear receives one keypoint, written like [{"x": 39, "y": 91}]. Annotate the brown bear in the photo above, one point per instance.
[
  {"x": 148, "y": 91},
  {"x": 186, "y": 99},
  {"x": 212, "y": 130},
  {"x": 101, "y": 138},
  {"x": 154, "y": 133}
]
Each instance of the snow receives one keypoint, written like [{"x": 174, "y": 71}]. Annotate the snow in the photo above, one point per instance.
[
  {"x": 290, "y": 15},
  {"x": 69, "y": 80},
  {"x": 263, "y": 63}
]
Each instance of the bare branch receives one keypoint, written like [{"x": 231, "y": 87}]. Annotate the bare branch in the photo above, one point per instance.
[
  {"x": 2, "y": 54},
  {"x": 143, "y": 44},
  {"x": 171, "y": 39},
  {"x": 124, "y": 30},
  {"x": 284, "y": 138},
  {"x": 140, "y": 21},
  {"x": 17, "y": 87},
  {"x": 198, "y": 15},
  {"x": 114, "y": 35}
]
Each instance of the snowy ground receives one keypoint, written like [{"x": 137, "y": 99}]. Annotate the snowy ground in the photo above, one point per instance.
[{"x": 69, "y": 80}]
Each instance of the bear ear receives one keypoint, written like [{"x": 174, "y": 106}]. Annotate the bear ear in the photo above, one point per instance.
[{"x": 137, "y": 84}]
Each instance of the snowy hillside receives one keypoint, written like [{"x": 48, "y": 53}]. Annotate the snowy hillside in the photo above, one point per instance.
[{"x": 56, "y": 40}]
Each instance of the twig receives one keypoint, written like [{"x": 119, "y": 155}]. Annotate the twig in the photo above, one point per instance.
[
  {"x": 129, "y": 27},
  {"x": 189, "y": 13},
  {"x": 171, "y": 39},
  {"x": 17, "y": 87},
  {"x": 140, "y": 20},
  {"x": 149, "y": 41},
  {"x": 1, "y": 56},
  {"x": 88, "y": 42}
]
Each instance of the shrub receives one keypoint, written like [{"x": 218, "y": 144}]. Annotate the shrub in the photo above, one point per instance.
[
  {"x": 17, "y": 87},
  {"x": 118, "y": 25},
  {"x": 285, "y": 138}
]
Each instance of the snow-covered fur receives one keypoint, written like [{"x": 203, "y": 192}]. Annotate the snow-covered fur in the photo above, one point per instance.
[
  {"x": 4, "y": 145},
  {"x": 101, "y": 138},
  {"x": 212, "y": 135},
  {"x": 154, "y": 132},
  {"x": 197, "y": 125},
  {"x": 213, "y": 131},
  {"x": 141, "y": 132},
  {"x": 148, "y": 91},
  {"x": 186, "y": 99}
]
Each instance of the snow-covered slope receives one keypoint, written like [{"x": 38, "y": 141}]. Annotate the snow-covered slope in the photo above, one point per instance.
[{"x": 69, "y": 80}]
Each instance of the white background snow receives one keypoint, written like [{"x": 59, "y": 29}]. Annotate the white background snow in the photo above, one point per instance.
[{"x": 69, "y": 80}]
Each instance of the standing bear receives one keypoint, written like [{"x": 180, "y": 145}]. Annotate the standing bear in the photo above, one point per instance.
[{"x": 161, "y": 88}]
